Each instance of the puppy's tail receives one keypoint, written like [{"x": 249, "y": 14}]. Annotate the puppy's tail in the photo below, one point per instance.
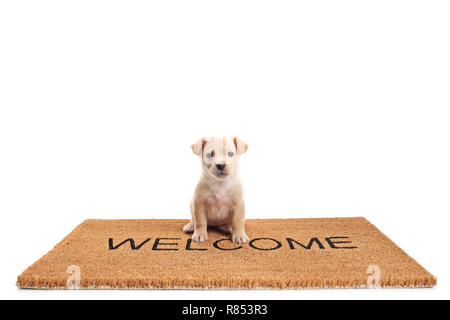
[{"x": 189, "y": 228}]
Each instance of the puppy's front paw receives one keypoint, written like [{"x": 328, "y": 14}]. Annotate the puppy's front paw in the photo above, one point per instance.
[
  {"x": 239, "y": 237},
  {"x": 189, "y": 228},
  {"x": 200, "y": 236}
]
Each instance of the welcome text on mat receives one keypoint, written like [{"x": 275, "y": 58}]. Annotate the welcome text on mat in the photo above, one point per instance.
[{"x": 173, "y": 244}]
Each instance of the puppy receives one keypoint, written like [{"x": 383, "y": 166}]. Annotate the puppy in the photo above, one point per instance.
[{"x": 218, "y": 199}]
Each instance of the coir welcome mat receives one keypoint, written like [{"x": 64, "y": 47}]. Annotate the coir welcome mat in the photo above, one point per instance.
[{"x": 282, "y": 253}]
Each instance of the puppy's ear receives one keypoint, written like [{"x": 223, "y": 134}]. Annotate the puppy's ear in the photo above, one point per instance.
[
  {"x": 241, "y": 146},
  {"x": 197, "y": 147}
]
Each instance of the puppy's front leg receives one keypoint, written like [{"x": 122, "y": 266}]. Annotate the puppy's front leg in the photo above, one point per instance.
[
  {"x": 200, "y": 223},
  {"x": 238, "y": 234}
]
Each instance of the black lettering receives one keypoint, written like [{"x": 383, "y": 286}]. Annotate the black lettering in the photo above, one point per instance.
[
  {"x": 216, "y": 245},
  {"x": 188, "y": 246},
  {"x": 157, "y": 243},
  {"x": 333, "y": 243},
  {"x": 251, "y": 244},
  {"x": 308, "y": 247},
  {"x": 131, "y": 241}
]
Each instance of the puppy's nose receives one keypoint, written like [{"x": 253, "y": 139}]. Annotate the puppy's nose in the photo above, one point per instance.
[{"x": 220, "y": 166}]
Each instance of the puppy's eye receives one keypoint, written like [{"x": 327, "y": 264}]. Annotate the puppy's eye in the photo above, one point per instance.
[
  {"x": 210, "y": 155},
  {"x": 231, "y": 153}
]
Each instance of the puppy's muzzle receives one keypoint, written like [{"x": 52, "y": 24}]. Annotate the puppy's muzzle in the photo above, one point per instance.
[{"x": 220, "y": 167}]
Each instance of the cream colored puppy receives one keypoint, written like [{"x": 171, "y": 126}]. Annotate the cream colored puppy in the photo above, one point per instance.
[{"x": 218, "y": 199}]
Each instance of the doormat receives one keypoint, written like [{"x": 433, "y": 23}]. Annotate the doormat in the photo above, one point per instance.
[{"x": 281, "y": 254}]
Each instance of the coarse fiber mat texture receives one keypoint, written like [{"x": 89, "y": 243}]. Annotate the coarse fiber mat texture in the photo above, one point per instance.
[{"x": 281, "y": 254}]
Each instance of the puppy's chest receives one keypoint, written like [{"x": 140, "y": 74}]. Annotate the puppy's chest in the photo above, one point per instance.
[
  {"x": 219, "y": 199},
  {"x": 219, "y": 206}
]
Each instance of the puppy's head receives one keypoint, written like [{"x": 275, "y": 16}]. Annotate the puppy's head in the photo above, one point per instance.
[{"x": 220, "y": 155}]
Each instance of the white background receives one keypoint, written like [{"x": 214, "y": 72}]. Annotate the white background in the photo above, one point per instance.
[{"x": 345, "y": 106}]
